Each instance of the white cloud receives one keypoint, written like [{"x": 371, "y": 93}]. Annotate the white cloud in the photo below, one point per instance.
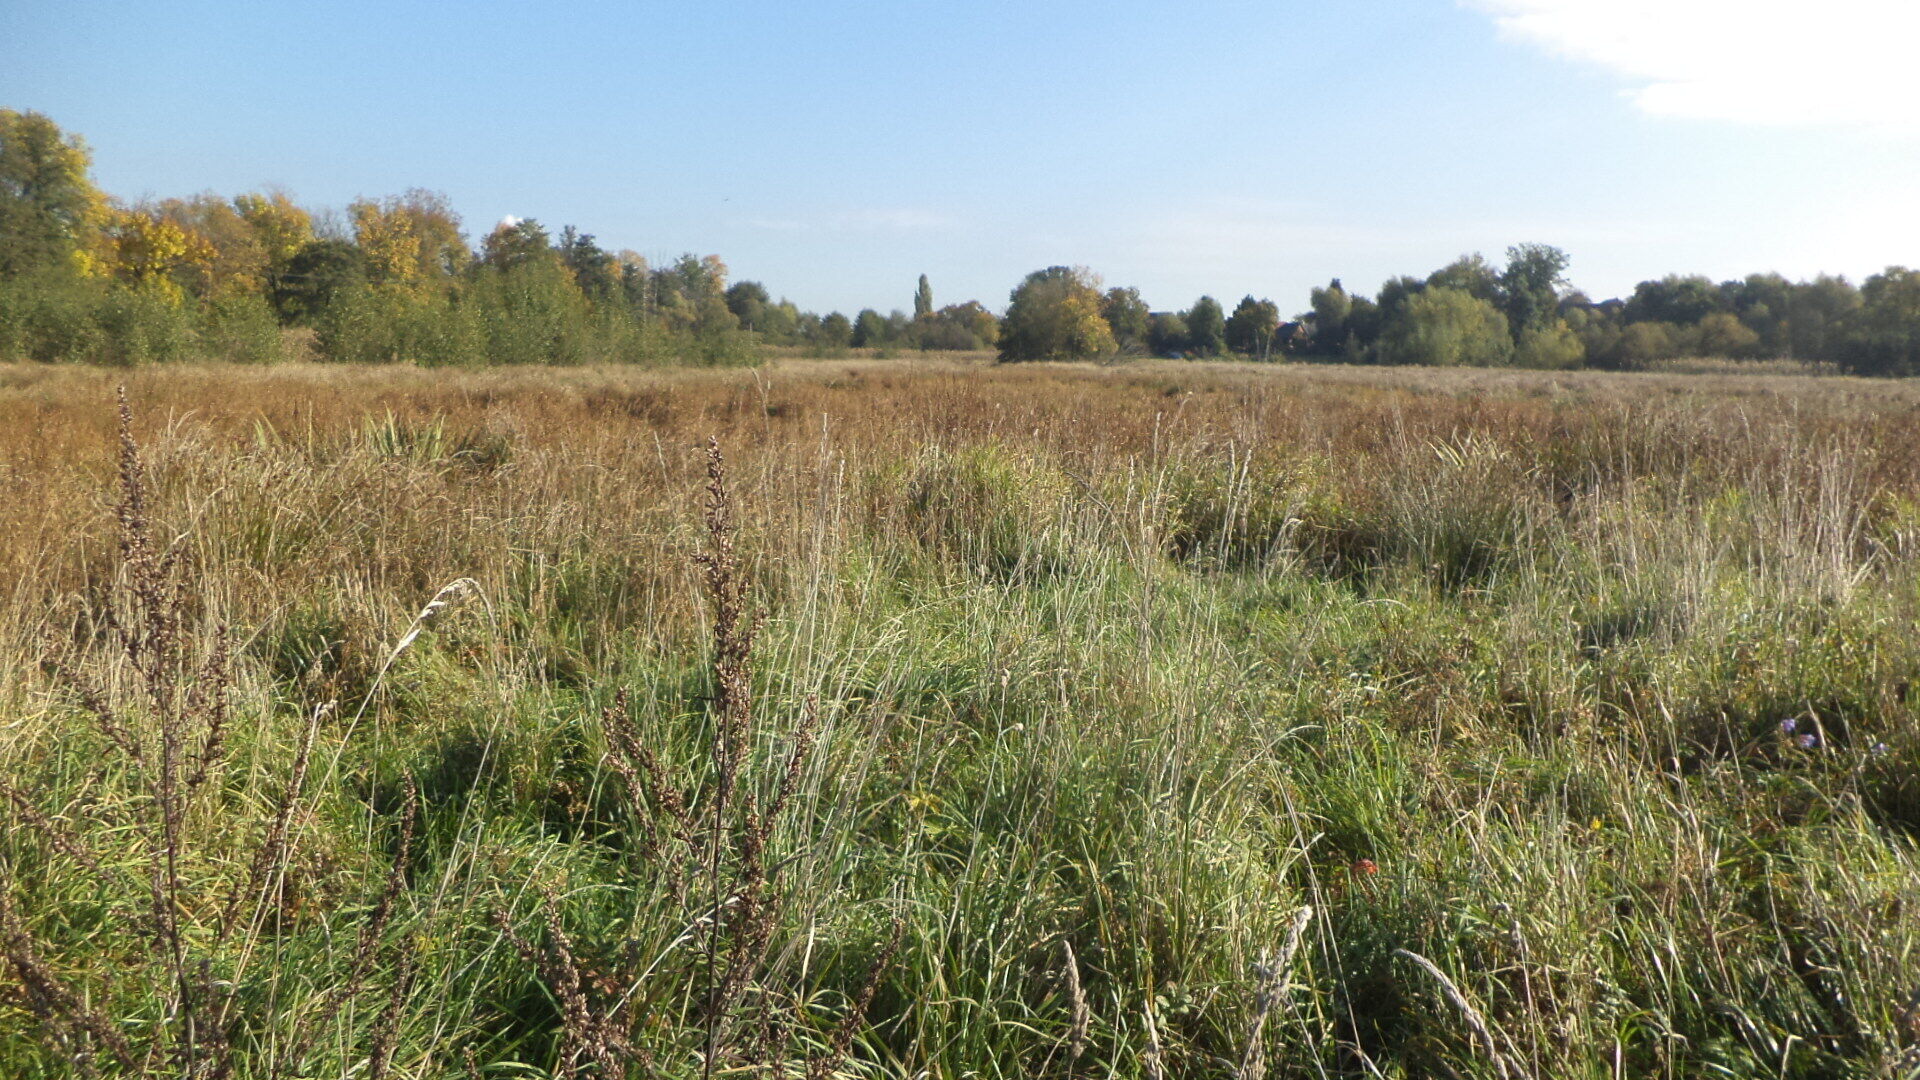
[
  {"x": 1832, "y": 63},
  {"x": 509, "y": 222}
]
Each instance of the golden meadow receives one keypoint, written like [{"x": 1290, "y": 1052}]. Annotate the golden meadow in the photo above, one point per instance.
[{"x": 1144, "y": 721}]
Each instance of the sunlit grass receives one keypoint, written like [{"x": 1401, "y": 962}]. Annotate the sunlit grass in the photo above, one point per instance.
[{"x": 1594, "y": 692}]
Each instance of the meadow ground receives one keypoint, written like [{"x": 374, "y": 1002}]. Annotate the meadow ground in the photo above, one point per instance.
[{"x": 1149, "y": 721}]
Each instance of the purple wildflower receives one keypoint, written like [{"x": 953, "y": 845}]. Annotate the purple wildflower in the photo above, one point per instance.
[
  {"x": 1807, "y": 741},
  {"x": 1787, "y": 725},
  {"x": 1881, "y": 749}
]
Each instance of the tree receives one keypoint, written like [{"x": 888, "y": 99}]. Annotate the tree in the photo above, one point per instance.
[
  {"x": 595, "y": 270},
  {"x": 411, "y": 240},
  {"x": 1394, "y": 292},
  {"x": 1641, "y": 343},
  {"x": 835, "y": 330},
  {"x": 1531, "y": 284},
  {"x": 1761, "y": 302},
  {"x": 48, "y": 205},
  {"x": 1679, "y": 299},
  {"x": 515, "y": 243},
  {"x": 1883, "y": 337},
  {"x": 1206, "y": 328},
  {"x": 236, "y": 262},
  {"x": 1127, "y": 316},
  {"x": 748, "y": 300},
  {"x": 1817, "y": 312},
  {"x": 1471, "y": 274},
  {"x": 1252, "y": 326},
  {"x": 1364, "y": 323},
  {"x": 153, "y": 252},
  {"x": 923, "y": 299},
  {"x": 690, "y": 296},
  {"x": 960, "y": 326},
  {"x": 1055, "y": 315},
  {"x": 280, "y": 227},
  {"x": 1166, "y": 334},
  {"x": 870, "y": 330},
  {"x": 315, "y": 276},
  {"x": 1723, "y": 334},
  {"x": 528, "y": 307},
  {"x": 1446, "y": 326},
  {"x": 1331, "y": 306}
]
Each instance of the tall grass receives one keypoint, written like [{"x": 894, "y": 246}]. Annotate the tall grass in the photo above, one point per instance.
[{"x": 1138, "y": 722}]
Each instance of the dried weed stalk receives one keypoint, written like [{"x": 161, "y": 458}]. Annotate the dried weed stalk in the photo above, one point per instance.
[
  {"x": 703, "y": 839},
  {"x": 166, "y": 723}
]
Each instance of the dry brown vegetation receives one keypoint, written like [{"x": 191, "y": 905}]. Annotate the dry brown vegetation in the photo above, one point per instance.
[{"x": 1508, "y": 672}]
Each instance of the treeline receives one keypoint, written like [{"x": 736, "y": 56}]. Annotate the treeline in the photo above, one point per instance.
[
  {"x": 1471, "y": 312},
  {"x": 259, "y": 278}
]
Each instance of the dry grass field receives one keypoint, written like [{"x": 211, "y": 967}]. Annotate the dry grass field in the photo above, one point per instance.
[{"x": 1148, "y": 721}]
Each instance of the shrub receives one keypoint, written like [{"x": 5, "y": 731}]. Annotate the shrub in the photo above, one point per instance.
[
  {"x": 376, "y": 324},
  {"x": 50, "y": 318},
  {"x": 143, "y": 324},
  {"x": 242, "y": 330},
  {"x": 1551, "y": 346}
]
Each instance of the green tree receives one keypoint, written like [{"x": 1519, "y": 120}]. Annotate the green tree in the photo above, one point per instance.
[
  {"x": 1206, "y": 327},
  {"x": 965, "y": 326},
  {"x": 1166, "y": 333},
  {"x": 1682, "y": 300},
  {"x": 1127, "y": 316},
  {"x": 1883, "y": 337},
  {"x": 1331, "y": 306},
  {"x": 530, "y": 310},
  {"x": 1471, "y": 274},
  {"x": 1817, "y": 312},
  {"x": 749, "y": 301},
  {"x": 1446, "y": 326},
  {"x": 317, "y": 274},
  {"x": 1598, "y": 329},
  {"x": 595, "y": 270},
  {"x": 515, "y": 244},
  {"x": 923, "y": 299},
  {"x": 1723, "y": 334},
  {"x": 835, "y": 331},
  {"x": 1530, "y": 285},
  {"x": 1251, "y": 328},
  {"x": 1394, "y": 292},
  {"x": 1761, "y": 301},
  {"x": 870, "y": 330},
  {"x": 1642, "y": 343},
  {"x": 48, "y": 206},
  {"x": 1364, "y": 323},
  {"x": 1055, "y": 315}
]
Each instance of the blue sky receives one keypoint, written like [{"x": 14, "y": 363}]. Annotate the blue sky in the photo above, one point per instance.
[{"x": 837, "y": 150}]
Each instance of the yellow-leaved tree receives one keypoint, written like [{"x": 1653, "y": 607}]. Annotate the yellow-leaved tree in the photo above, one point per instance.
[
  {"x": 410, "y": 241},
  {"x": 152, "y": 251},
  {"x": 279, "y": 225}
]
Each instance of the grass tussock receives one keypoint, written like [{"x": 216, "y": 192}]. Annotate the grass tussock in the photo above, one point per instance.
[{"x": 1142, "y": 722}]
